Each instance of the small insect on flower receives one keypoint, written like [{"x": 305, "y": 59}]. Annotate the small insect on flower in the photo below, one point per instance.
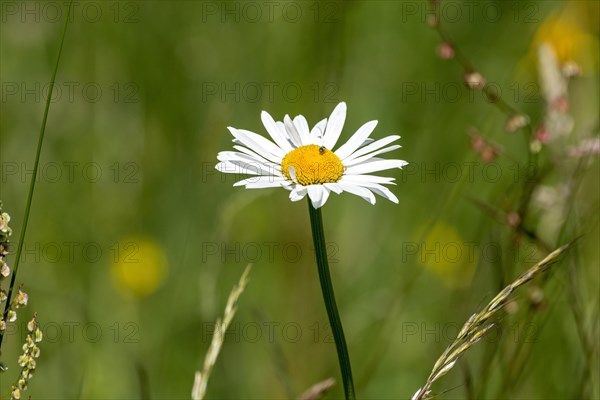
[{"x": 322, "y": 150}]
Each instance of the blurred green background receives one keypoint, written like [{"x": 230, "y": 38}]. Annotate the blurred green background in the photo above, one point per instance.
[{"x": 135, "y": 241}]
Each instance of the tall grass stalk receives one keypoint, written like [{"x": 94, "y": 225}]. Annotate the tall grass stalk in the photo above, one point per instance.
[
  {"x": 35, "y": 168},
  {"x": 477, "y": 325},
  {"x": 201, "y": 378}
]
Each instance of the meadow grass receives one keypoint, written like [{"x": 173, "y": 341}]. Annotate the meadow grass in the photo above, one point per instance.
[{"x": 169, "y": 89}]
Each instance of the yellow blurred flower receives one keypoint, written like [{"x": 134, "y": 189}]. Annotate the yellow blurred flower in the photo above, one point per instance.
[
  {"x": 139, "y": 265},
  {"x": 568, "y": 35},
  {"x": 564, "y": 37},
  {"x": 445, "y": 253}
]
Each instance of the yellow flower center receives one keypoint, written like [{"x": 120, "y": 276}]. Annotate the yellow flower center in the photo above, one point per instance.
[{"x": 313, "y": 165}]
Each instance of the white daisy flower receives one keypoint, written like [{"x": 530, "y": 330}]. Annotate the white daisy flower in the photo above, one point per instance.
[{"x": 303, "y": 161}]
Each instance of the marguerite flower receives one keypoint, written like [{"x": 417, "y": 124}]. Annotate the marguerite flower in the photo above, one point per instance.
[{"x": 303, "y": 161}]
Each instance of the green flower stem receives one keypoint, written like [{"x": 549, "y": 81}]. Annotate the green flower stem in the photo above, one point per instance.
[
  {"x": 316, "y": 223},
  {"x": 36, "y": 164}
]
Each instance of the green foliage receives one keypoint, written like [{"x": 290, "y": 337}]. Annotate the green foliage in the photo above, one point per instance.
[{"x": 143, "y": 96}]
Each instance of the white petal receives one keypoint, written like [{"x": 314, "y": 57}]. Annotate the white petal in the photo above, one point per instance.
[
  {"x": 376, "y": 145},
  {"x": 377, "y": 188},
  {"x": 292, "y": 172},
  {"x": 366, "y": 157},
  {"x": 278, "y": 135},
  {"x": 334, "y": 126},
  {"x": 263, "y": 185},
  {"x": 259, "y": 144},
  {"x": 263, "y": 142},
  {"x": 334, "y": 187},
  {"x": 325, "y": 195},
  {"x": 281, "y": 127},
  {"x": 291, "y": 130},
  {"x": 358, "y": 190},
  {"x": 298, "y": 193},
  {"x": 316, "y": 134},
  {"x": 385, "y": 192},
  {"x": 251, "y": 154},
  {"x": 245, "y": 168},
  {"x": 302, "y": 128},
  {"x": 369, "y": 178},
  {"x": 259, "y": 182},
  {"x": 316, "y": 194},
  {"x": 245, "y": 159},
  {"x": 366, "y": 142},
  {"x": 373, "y": 166},
  {"x": 232, "y": 168},
  {"x": 356, "y": 140}
]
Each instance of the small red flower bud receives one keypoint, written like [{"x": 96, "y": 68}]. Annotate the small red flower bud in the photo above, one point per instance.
[
  {"x": 542, "y": 135},
  {"x": 445, "y": 51},
  {"x": 477, "y": 143},
  {"x": 488, "y": 154},
  {"x": 516, "y": 122},
  {"x": 561, "y": 104}
]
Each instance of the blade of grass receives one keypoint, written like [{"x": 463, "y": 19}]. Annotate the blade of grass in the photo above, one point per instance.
[
  {"x": 317, "y": 391},
  {"x": 478, "y": 324},
  {"x": 36, "y": 164},
  {"x": 201, "y": 378}
]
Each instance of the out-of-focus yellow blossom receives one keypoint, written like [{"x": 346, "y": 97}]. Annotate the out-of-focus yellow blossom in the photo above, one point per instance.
[
  {"x": 444, "y": 252},
  {"x": 568, "y": 34},
  {"x": 565, "y": 37},
  {"x": 139, "y": 265}
]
